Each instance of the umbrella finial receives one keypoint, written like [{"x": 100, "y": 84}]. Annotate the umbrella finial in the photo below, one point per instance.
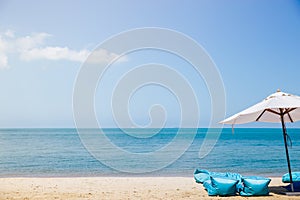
[{"x": 278, "y": 90}]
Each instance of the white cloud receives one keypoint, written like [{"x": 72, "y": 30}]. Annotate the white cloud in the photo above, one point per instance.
[
  {"x": 3, "y": 62},
  {"x": 34, "y": 47},
  {"x": 31, "y": 41},
  {"x": 3, "y": 57},
  {"x": 54, "y": 53},
  {"x": 2, "y": 45},
  {"x": 64, "y": 53},
  {"x": 104, "y": 56},
  {"x": 9, "y": 33}
]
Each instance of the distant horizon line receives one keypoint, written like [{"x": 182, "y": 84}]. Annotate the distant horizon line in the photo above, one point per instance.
[{"x": 148, "y": 128}]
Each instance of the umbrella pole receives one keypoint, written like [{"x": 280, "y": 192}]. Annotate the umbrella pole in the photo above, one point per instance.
[{"x": 287, "y": 151}]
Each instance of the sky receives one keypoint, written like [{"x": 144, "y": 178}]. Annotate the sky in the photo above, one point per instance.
[{"x": 254, "y": 44}]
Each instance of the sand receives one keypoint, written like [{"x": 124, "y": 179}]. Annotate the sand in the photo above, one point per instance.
[{"x": 115, "y": 188}]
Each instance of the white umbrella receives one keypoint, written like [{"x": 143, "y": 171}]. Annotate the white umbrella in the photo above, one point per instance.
[{"x": 279, "y": 107}]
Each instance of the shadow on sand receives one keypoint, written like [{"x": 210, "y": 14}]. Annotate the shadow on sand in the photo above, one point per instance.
[
  {"x": 277, "y": 190},
  {"x": 280, "y": 190}
]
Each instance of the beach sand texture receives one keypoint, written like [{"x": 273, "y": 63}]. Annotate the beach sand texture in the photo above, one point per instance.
[{"x": 115, "y": 188}]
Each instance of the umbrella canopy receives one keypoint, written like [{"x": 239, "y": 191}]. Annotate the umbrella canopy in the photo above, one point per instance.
[
  {"x": 279, "y": 107},
  {"x": 269, "y": 110}
]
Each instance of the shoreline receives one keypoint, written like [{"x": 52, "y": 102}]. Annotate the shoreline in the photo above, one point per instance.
[
  {"x": 111, "y": 176},
  {"x": 33, "y": 188},
  {"x": 127, "y": 176}
]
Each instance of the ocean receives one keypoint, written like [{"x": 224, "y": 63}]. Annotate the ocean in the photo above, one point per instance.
[{"x": 61, "y": 152}]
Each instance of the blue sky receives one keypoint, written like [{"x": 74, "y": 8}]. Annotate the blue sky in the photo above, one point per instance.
[{"x": 254, "y": 44}]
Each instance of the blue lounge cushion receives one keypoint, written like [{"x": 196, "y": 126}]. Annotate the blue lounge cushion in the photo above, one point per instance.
[
  {"x": 235, "y": 176},
  {"x": 227, "y": 184},
  {"x": 220, "y": 186},
  {"x": 296, "y": 187},
  {"x": 201, "y": 175},
  {"x": 255, "y": 186},
  {"x": 209, "y": 188},
  {"x": 295, "y": 177}
]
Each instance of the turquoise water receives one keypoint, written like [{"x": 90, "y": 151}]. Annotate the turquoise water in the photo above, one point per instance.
[{"x": 60, "y": 152}]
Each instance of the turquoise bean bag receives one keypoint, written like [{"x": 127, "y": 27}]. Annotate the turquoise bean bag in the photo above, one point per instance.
[
  {"x": 221, "y": 186},
  {"x": 255, "y": 186},
  {"x": 296, "y": 181},
  {"x": 295, "y": 177},
  {"x": 201, "y": 175},
  {"x": 228, "y": 184}
]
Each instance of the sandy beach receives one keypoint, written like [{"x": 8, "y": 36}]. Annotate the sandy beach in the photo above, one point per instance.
[{"x": 115, "y": 188}]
